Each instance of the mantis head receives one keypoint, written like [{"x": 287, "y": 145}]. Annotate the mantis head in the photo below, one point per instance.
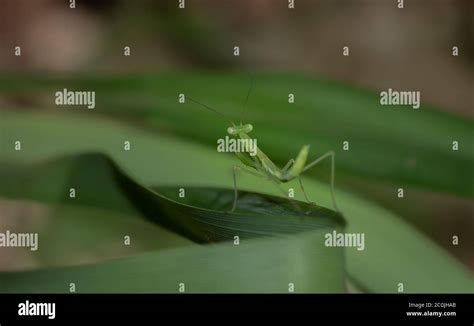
[{"x": 235, "y": 130}]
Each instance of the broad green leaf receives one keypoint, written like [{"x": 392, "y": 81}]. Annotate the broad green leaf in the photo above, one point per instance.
[
  {"x": 398, "y": 145},
  {"x": 262, "y": 223},
  {"x": 261, "y": 265},
  {"x": 394, "y": 252},
  {"x": 72, "y": 234}
]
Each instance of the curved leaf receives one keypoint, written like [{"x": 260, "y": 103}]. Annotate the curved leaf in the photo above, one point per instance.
[
  {"x": 394, "y": 251},
  {"x": 261, "y": 222}
]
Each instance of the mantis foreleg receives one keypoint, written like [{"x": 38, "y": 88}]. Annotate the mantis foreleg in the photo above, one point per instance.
[
  {"x": 304, "y": 192},
  {"x": 288, "y": 165},
  {"x": 234, "y": 174}
]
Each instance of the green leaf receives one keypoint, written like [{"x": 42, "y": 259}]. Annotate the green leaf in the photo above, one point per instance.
[
  {"x": 394, "y": 252},
  {"x": 264, "y": 265},
  {"x": 397, "y": 145},
  {"x": 261, "y": 223}
]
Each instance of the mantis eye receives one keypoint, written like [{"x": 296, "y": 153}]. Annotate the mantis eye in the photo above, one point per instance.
[{"x": 231, "y": 130}]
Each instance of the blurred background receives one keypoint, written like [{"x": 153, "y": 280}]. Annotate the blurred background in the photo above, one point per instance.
[
  {"x": 408, "y": 49},
  {"x": 389, "y": 47}
]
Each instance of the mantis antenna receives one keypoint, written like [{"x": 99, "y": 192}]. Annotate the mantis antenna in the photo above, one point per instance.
[
  {"x": 211, "y": 109},
  {"x": 244, "y": 111}
]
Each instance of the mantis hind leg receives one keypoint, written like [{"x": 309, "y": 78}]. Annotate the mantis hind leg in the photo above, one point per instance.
[{"x": 330, "y": 154}]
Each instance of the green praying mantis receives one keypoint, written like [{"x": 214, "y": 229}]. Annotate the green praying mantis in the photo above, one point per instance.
[{"x": 261, "y": 165}]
